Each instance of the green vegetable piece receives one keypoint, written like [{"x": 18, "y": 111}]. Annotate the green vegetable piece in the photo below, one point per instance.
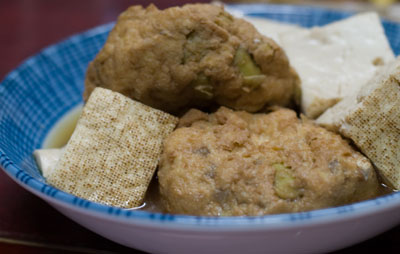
[
  {"x": 252, "y": 82},
  {"x": 245, "y": 63},
  {"x": 284, "y": 182},
  {"x": 251, "y": 73}
]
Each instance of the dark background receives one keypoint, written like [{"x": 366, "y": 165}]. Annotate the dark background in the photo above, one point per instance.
[{"x": 27, "y": 224}]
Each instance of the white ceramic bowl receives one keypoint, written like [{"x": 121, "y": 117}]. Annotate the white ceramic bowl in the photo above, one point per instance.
[{"x": 38, "y": 93}]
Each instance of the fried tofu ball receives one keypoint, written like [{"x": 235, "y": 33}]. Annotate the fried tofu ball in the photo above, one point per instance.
[
  {"x": 197, "y": 55},
  {"x": 235, "y": 163}
]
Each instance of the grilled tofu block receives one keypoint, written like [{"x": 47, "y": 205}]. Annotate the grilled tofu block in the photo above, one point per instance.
[
  {"x": 114, "y": 150},
  {"x": 47, "y": 159},
  {"x": 273, "y": 29},
  {"x": 371, "y": 119},
  {"x": 335, "y": 60}
]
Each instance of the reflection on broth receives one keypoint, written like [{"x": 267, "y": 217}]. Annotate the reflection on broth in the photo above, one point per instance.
[{"x": 62, "y": 131}]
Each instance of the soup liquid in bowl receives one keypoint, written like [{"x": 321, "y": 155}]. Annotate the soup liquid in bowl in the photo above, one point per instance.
[{"x": 63, "y": 129}]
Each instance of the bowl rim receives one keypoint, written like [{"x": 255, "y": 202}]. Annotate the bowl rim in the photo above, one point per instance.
[{"x": 62, "y": 199}]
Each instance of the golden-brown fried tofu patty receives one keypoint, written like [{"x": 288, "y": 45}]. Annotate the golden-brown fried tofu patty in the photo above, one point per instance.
[
  {"x": 192, "y": 56},
  {"x": 235, "y": 163}
]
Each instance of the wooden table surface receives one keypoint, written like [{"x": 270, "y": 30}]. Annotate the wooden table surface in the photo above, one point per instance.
[{"x": 27, "y": 224}]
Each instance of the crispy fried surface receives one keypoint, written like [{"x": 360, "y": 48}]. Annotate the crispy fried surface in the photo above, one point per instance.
[
  {"x": 236, "y": 163},
  {"x": 192, "y": 56}
]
